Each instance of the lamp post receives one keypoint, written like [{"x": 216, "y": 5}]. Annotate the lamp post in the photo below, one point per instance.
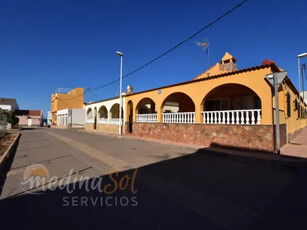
[
  {"x": 120, "y": 92},
  {"x": 299, "y": 71}
]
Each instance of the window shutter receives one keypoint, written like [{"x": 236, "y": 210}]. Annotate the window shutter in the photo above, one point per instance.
[{"x": 288, "y": 104}]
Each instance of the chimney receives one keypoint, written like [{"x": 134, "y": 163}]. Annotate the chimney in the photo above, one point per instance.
[
  {"x": 130, "y": 89},
  {"x": 228, "y": 63}
]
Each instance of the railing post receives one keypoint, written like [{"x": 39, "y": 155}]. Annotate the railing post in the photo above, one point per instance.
[
  {"x": 258, "y": 117},
  {"x": 242, "y": 117},
  {"x": 232, "y": 118},
  {"x": 224, "y": 118},
  {"x": 228, "y": 118},
  {"x": 253, "y": 117},
  {"x": 247, "y": 118}
]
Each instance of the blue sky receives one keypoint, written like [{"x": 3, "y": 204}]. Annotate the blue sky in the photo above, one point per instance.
[{"x": 54, "y": 44}]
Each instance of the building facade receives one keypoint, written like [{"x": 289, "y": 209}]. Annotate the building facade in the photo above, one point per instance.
[
  {"x": 29, "y": 118},
  {"x": 224, "y": 106},
  {"x": 233, "y": 108},
  {"x": 74, "y": 99}
]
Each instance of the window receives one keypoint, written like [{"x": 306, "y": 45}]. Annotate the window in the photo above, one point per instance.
[
  {"x": 295, "y": 104},
  {"x": 288, "y": 105}
]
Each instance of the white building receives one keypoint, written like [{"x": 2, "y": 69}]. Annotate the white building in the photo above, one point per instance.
[
  {"x": 304, "y": 95},
  {"x": 104, "y": 115},
  {"x": 49, "y": 118},
  {"x": 8, "y": 104},
  {"x": 71, "y": 118}
]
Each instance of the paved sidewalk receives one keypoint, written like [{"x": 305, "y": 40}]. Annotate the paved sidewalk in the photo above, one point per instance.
[{"x": 297, "y": 147}]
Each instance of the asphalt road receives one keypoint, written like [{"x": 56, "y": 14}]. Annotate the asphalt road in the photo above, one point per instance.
[{"x": 174, "y": 187}]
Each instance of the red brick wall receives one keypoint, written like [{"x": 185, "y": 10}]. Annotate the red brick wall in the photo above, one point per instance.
[
  {"x": 251, "y": 137},
  {"x": 283, "y": 134}
]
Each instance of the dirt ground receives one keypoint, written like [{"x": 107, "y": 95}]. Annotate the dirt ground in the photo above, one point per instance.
[{"x": 6, "y": 141}]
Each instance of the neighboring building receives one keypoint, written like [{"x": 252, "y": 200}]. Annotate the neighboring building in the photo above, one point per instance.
[
  {"x": 104, "y": 115},
  {"x": 71, "y": 100},
  {"x": 8, "y": 104},
  {"x": 304, "y": 96},
  {"x": 29, "y": 117},
  {"x": 49, "y": 118},
  {"x": 71, "y": 118}
]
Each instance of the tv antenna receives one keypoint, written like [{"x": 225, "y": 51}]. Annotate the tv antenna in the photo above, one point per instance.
[{"x": 204, "y": 44}]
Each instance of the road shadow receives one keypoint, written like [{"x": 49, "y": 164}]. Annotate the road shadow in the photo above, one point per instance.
[{"x": 204, "y": 190}]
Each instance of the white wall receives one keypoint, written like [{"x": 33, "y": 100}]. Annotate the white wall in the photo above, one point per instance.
[
  {"x": 71, "y": 117},
  {"x": 12, "y": 107},
  {"x": 78, "y": 117},
  {"x": 49, "y": 118},
  {"x": 6, "y": 107}
]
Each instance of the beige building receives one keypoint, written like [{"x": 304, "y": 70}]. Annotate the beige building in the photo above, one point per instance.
[{"x": 29, "y": 117}]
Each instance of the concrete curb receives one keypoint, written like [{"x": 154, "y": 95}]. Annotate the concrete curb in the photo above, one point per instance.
[{"x": 8, "y": 151}]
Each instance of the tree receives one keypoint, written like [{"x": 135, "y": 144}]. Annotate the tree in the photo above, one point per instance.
[{"x": 11, "y": 118}]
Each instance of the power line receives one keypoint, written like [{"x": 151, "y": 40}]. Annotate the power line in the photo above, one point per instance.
[
  {"x": 176, "y": 46},
  {"x": 173, "y": 48}
]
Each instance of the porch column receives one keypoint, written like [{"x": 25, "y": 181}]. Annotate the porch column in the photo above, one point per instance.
[
  {"x": 159, "y": 114},
  {"x": 198, "y": 115},
  {"x": 134, "y": 114}
]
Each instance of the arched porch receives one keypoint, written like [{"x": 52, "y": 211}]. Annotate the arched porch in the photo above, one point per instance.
[
  {"x": 103, "y": 115},
  {"x": 178, "y": 108},
  {"x": 114, "y": 114},
  {"x": 231, "y": 104},
  {"x": 146, "y": 110}
]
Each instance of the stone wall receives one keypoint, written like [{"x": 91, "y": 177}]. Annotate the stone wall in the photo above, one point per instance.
[
  {"x": 249, "y": 137},
  {"x": 105, "y": 128},
  {"x": 89, "y": 126}
]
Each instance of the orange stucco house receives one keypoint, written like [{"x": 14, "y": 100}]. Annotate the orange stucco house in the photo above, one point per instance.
[{"x": 222, "y": 106}]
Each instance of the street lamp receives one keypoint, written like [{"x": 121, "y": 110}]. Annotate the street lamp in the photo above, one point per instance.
[
  {"x": 120, "y": 92},
  {"x": 299, "y": 70}
]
